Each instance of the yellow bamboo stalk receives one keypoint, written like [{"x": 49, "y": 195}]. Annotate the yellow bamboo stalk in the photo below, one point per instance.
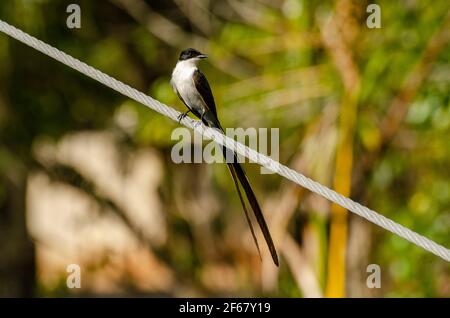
[
  {"x": 338, "y": 34},
  {"x": 342, "y": 183}
]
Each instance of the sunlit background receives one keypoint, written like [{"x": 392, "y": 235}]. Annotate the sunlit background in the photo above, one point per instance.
[{"x": 86, "y": 175}]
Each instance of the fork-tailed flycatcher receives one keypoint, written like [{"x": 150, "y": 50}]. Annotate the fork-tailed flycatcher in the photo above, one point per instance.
[{"x": 193, "y": 89}]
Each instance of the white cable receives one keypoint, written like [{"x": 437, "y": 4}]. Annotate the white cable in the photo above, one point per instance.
[{"x": 253, "y": 155}]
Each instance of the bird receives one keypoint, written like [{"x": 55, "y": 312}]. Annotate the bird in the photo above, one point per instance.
[{"x": 193, "y": 89}]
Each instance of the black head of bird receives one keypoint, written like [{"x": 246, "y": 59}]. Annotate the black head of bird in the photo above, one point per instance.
[{"x": 191, "y": 54}]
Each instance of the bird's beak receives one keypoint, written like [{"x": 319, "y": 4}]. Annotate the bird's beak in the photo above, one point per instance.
[{"x": 202, "y": 56}]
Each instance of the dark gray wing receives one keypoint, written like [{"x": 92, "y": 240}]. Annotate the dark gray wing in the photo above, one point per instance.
[{"x": 202, "y": 85}]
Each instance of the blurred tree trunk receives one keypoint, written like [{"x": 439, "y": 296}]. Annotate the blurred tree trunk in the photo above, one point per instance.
[{"x": 17, "y": 261}]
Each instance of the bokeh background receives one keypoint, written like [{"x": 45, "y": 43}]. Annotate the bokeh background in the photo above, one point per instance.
[{"x": 86, "y": 176}]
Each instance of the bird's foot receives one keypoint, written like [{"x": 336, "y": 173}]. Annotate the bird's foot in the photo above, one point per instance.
[{"x": 182, "y": 116}]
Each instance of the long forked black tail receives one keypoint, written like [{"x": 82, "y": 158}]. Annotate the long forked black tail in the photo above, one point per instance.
[
  {"x": 244, "y": 206},
  {"x": 239, "y": 176}
]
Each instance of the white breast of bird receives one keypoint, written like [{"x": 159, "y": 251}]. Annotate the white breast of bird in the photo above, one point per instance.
[{"x": 183, "y": 83}]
